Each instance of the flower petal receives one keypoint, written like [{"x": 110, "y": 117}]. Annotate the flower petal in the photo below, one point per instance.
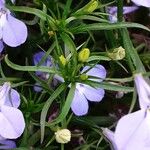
[
  {"x": 37, "y": 87},
  {"x": 11, "y": 122},
  {"x": 92, "y": 94},
  {"x": 13, "y": 99},
  {"x": 131, "y": 130},
  {"x": 145, "y": 3},
  {"x": 4, "y": 91},
  {"x": 143, "y": 90},
  {"x": 79, "y": 104},
  {"x": 14, "y": 32},
  {"x": 97, "y": 71},
  {"x": 7, "y": 144},
  {"x": 48, "y": 62},
  {"x": 110, "y": 136},
  {"x": 1, "y": 46}
]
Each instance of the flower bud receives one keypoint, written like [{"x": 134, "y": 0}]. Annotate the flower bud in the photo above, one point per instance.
[
  {"x": 63, "y": 136},
  {"x": 88, "y": 8},
  {"x": 63, "y": 60},
  {"x": 117, "y": 54},
  {"x": 91, "y": 6},
  {"x": 51, "y": 33},
  {"x": 84, "y": 76},
  {"x": 83, "y": 55}
]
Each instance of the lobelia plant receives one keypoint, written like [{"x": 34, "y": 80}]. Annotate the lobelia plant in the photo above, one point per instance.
[{"x": 82, "y": 42}]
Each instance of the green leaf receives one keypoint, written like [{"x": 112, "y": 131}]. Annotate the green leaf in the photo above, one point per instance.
[
  {"x": 106, "y": 26},
  {"x": 29, "y": 68},
  {"x": 29, "y": 10},
  {"x": 132, "y": 52},
  {"x": 35, "y": 12},
  {"x": 66, "y": 106},
  {"x": 47, "y": 106},
  {"x": 69, "y": 43},
  {"x": 94, "y": 121},
  {"x": 98, "y": 58},
  {"x": 109, "y": 86}
]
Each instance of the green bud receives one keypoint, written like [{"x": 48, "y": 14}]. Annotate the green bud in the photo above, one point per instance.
[
  {"x": 84, "y": 76},
  {"x": 88, "y": 8},
  {"x": 117, "y": 54},
  {"x": 83, "y": 55},
  {"x": 63, "y": 60}
]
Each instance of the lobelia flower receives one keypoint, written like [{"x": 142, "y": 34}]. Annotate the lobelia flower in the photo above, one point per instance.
[
  {"x": 43, "y": 75},
  {"x": 7, "y": 144},
  {"x": 133, "y": 130},
  {"x": 11, "y": 118},
  {"x": 13, "y": 32},
  {"x": 84, "y": 92},
  {"x": 145, "y": 3},
  {"x": 113, "y": 12}
]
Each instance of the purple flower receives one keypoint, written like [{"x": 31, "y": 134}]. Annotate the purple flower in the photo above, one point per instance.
[
  {"x": 43, "y": 75},
  {"x": 13, "y": 32},
  {"x": 113, "y": 12},
  {"x": 143, "y": 90},
  {"x": 7, "y": 144},
  {"x": 11, "y": 119},
  {"x": 1, "y": 46},
  {"x": 47, "y": 62},
  {"x": 133, "y": 130},
  {"x": 84, "y": 92},
  {"x": 145, "y": 3}
]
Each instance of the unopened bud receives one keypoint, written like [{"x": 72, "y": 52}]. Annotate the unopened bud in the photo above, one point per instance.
[
  {"x": 63, "y": 136},
  {"x": 63, "y": 60},
  {"x": 117, "y": 54},
  {"x": 84, "y": 76},
  {"x": 51, "y": 33},
  {"x": 83, "y": 55},
  {"x": 88, "y": 8},
  {"x": 91, "y": 6}
]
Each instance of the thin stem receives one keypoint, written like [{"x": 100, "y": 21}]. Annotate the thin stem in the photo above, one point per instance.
[{"x": 120, "y": 10}]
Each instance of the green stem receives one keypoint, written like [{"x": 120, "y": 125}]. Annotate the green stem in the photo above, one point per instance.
[{"x": 120, "y": 10}]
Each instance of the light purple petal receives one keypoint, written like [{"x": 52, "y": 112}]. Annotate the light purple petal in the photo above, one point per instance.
[
  {"x": 129, "y": 9},
  {"x": 11, "y": 122},
  {"x": 2, "y": 2},
  {"x": 14, "y": 32},
  {"x": 13, "y": 99},
  {"x": 113, "y": 12},
  {"x": 79, "y": 104},
  {"x": 97, "y": 71},
  {"x": 7, "y": 144},
  {"x": 1, "y": 46},
  {"x": 4, "y": 91},
  {"x": 133, "y": 131},
  {"x": 37, "y": 87},
  {"x": 48, "y": 62},
  {"x": 145, "y": 3},
  {"x": 143, "y": 90},
  {"x": 110, "y": 136},
  {"x": 92, "y": 94}
]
